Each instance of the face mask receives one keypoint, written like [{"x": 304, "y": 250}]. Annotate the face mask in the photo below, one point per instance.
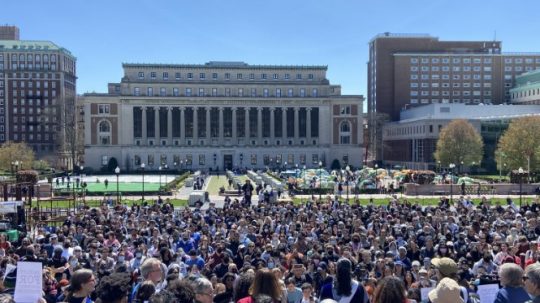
[
  {"x": 270, "y": 265},
  {"x": 73, "y": 263},
  {"x": 443, "y": 250},
  {"x": 121, "y": 259},
  {"x": 138, "y": 255}
]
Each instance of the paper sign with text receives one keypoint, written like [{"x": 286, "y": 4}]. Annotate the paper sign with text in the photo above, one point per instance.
[{"x": 29, "y": 285}]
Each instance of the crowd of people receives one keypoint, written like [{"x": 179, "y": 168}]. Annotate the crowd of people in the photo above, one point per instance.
[{"x": 317, "y": 251}]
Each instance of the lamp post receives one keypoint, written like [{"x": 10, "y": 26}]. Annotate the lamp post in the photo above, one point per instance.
[
  {"x": 166, "y": 167},
  {"x": 451, "y": 166},
  {"x": 159, "y": 168},
  {"x": 175, "y": 169},
  {"x": 439, "y": 166},
  {"x": 142, "y": 169},
  {"x": 520, "y": 172},
  {"x": 320, "y": 179},
  {"x": 285, "y": 165},
  {"x": 347, "y": 170},
  {"x": 117, "y": 172},
  {"x": 83, "y": 185}
]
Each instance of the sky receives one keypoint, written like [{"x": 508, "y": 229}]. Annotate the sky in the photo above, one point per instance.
[{"x": 104, "y": 34}]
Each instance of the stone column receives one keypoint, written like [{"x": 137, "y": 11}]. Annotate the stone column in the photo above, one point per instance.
[
  {"x": 284, "y": 123},
  {"x": 182, "y": 123},
  {"x": 259, "y": 125},
  {"x": 234, "y": 134},
  {"x": 144, "y": 127},
  {"x": 296, "y": 125},
  {"x": 156, "y": 126},
  {"x": 248, "y": 138},
  {"x": 308, "y": 123},
  {"x": 169, "y": 125},
  {"x": 208, "y": 134},
  {"x": 195, "y": 126},
  {"x": 221, "y": 126},
  {"x": 272, "y": 123}
]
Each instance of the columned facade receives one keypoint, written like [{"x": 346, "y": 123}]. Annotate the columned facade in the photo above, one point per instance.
[{"x": 226, "y": 128}]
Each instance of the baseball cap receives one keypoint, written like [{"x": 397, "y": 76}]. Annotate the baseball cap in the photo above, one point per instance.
[
  {"x": 415, "y": 263},
  {"x": 446, "y": 266},
  {"x": 322, "y": 266}
]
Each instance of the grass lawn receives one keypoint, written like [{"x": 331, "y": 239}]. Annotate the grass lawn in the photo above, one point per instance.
[
  {"x": 216, "y": 183},
  {"x": 97, "y": 203},
  {"x": 422, "y": 201},
  {"x": 111, "y": 188}
]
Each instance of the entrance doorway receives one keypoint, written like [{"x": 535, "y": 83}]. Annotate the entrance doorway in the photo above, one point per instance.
[{"x": 228, "y": 162}]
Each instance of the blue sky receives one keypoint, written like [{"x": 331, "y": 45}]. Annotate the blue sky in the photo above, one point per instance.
[{"x": 103, "y": 34}]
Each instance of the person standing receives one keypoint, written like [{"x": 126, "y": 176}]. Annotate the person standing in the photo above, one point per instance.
[
  {"x": 247, "y": 189},
  {"x": 344, "y": 289}
]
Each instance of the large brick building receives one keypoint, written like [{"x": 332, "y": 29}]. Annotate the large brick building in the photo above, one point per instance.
[
  {"x": 37, "y": 95},
  {"x": 222, "y": 115},
  {"x": 410, "y": 70}
]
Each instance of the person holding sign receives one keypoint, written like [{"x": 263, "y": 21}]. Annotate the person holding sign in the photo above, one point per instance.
[{"x": 82, "y": 284}]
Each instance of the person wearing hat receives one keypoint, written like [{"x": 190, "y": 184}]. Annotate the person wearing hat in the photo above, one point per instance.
[
  {"x": 447, "y": 291},
  {"x": 321, "y": 277}
]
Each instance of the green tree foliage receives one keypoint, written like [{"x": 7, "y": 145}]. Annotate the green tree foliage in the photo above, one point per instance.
[
  {"x": 519, "y": 146},
  {"x": 11, "y": 152},
  {"x": 459, "y": 142}
]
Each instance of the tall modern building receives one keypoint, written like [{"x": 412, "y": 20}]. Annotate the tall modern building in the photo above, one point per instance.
[
  {"x": 410, "y": 70},
  {"x": 37, "y": 96},
  {"x": 222, "y": 115}
]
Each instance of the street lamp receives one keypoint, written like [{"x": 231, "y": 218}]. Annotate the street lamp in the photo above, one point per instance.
[
  {"x": 83, "y": 185},
  {"x": 166, "y": 167},
  {"x": 159, "y": 168},
  {"x": 117, "y": 172},
  {"x": 285, "y": 165},
  {"x": 320, "y": 179},
  {"x": 347, "y": 170},
  {"x": 439, "y": 166},
  {"x": 142, "y": 169},
  {"x": 520, "y": 171},
  {"x": 451, "y": 166}
]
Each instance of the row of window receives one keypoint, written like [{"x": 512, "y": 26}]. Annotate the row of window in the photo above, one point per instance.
[
  {"x": 45, "y": 66},
  {"x": 22, "y": 93},
  {"x": 520, "y": 68},
  {"x": 473, "y": 60},
  {"x": 444, "y": 100},
  {"x": 30, "y": 57},
  {"x": 454, "y": 77},
  {"x": 31, "y": 138},
  {"x": 30, "y": 84},
  {"x": 415, "y": 93},
  {"x": 31, "y": 102},
  {"x": 227, "y": 92},
  {"x": 454, "y": 60},
  {"x": 225, "y": 76},
  {"x": 446, "y": 84},
  {"x": 454, "y": 68},
  {"x": 182, "y": 160}
]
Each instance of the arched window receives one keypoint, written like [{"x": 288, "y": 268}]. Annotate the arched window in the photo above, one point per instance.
[
  {"x": 104, "y": 127},
  {"x": 104, "y": 132},
  {"x": 345, "y": 132}
]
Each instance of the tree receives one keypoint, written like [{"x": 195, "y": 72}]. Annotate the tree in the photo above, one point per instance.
[
  {"x": 11, "y": 152},
  {"x": 459, "y": 142},
  {"x": 519, "y": 146}
]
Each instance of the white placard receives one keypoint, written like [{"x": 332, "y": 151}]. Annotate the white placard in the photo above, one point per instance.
[
  {"x": 424, "y": 293},
  {"x": 488, "y": 292},
  {"x": 29, "y": 285}
]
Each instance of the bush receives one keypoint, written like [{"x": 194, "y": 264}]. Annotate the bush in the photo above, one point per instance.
[{"x": 27, "y": 176}]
